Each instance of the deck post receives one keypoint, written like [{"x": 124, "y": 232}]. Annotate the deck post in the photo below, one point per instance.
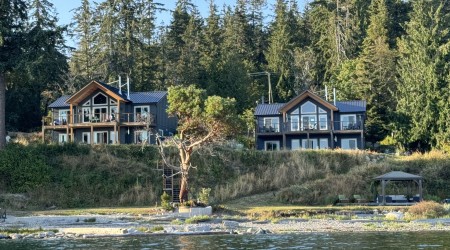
[{"x": 383, "y": 185}]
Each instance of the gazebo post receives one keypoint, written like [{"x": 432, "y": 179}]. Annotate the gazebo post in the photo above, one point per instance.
[
  {"x": 420, "y": 190},
  {"x": 383, "y": 184}
]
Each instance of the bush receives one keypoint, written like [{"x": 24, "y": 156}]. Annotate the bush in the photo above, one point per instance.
[
  {"x": 197, "y": 219},
  {"x": 165, "y": 202},
  {"x": 203, "y": 196},
  {"x": 426, "y": 209}
]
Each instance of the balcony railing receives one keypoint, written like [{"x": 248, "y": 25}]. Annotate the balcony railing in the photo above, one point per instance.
[
  {"x": 144, "y": 118},
  {"x": 310, "y": 126}
]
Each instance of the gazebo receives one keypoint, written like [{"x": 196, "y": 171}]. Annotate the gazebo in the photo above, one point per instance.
[{"x": 399, "y": 176}]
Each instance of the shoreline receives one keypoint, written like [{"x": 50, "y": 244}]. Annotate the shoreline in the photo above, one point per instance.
[{"x": 120, "y": 225}]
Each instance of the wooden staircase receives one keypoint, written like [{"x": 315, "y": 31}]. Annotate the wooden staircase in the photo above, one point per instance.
[{"x": 171, "y": 184}]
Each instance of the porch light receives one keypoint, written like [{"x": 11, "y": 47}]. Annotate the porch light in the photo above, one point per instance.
[
  {"x": 335, "y": 139},
  {"x": 128, "y": 131}
]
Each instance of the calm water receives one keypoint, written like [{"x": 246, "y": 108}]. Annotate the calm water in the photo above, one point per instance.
[{"x": 410, "y": 240}]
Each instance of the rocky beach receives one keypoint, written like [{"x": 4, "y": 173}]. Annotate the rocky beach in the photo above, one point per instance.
[{"x": 124, "y": 225}]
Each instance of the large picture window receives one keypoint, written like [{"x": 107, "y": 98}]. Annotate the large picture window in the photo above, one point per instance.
[
  {"x": 309, "y": 144},
  {"x": 141, "y": 113},
  {"x": 309, "y": 122},
  {"x": 308, "y": 108},
  {"x": 101, "y": 137}
]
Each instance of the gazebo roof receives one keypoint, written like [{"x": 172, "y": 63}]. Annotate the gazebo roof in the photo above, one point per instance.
[{"x": 398, "y": 176}]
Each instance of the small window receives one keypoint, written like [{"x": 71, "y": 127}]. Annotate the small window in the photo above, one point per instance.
[
  {"x": 308, "y": 108},
  {"x": 100, "y": 99},
  {"x": 62, "y": 138},
  {"x": 272, "y": 145},
  {"x": 322, "y": 111},
  {"x": 323, "y": 143},
  {"x": 348, "y": 144},
  {"x": 295, "y": 111},
  {"x": 271, "y": 124},
  {"x": 295, "y": 144},
  {"x": 86, "y": 138},
  {"x": 141, "y": 137},
  {"x": 112, "y": 101},
  {"x": 88, "y": 103}
]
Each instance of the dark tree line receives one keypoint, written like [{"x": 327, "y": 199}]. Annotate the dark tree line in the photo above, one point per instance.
[{"x": 392, "y": 53}]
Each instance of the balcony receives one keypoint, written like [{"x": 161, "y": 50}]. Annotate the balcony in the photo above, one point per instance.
[
  {"x": 308, "y": 127},
  {"x": 98, "y": 120}
]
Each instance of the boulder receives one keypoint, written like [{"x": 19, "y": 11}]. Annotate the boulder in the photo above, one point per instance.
[{"x": 228, "y": 224}]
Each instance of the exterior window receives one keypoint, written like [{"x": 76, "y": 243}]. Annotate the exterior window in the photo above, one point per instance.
[
  {"x": 62, "y": 138},
  {"x": 311, "y": 144},
  {"x": 112, "y": 101},
  {"x": 112, "y": 138},
  {"x": 113, "y": 113},
  {"x": 272, "y": 145},
  {"x": 322, "y": 111},
  {"x": 63, "y": 117},
  {"x": 309, "y": 108},
  {"x": 348, "y": 144},
  {"x": 140, "y": 137},
  {"x": 100, "y": 99},
  {"x": 309, "y": 122},
  {"x": 141, "y": 113},
  {"x": 272, "y": 124},
  {"x": 348, "y": 121},
  {"x": 295, "y": 144},
  {"x": 86, "y": 138},
  {"x": 323, "y": 123},
  {"x": 88, "y": 103},
  {"x": 323, "y": 143},
  {"x": 295, "y": 112},
  {"x": 101, "y": 137},
  {"x": 100, "y": 115},
  {"x": 86, "y": 114},
  {"x": 295, "y": 123}
]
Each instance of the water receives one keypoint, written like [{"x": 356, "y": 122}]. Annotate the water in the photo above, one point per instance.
[{"x": 362, "y": 240}]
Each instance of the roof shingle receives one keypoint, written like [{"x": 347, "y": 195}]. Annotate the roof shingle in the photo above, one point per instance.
[{"x": 268, "y": 109}]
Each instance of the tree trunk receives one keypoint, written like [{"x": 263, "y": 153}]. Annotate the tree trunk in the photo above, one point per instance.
[
  {"x": 184, "y": 187},
  {"x": 2, "y": 111}
]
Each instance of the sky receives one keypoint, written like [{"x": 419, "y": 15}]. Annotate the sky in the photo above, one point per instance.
[{"x": 64, "y": 9}]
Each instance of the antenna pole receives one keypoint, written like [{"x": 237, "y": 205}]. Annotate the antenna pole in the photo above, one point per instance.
[
  {"x": 270, "y": 88},
  {"x": 128, "y": 87},
  {"x": 120, "y": 85}
]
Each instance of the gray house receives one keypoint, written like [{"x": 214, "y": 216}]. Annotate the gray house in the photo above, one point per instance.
[
  {"x": 101, "y": 114},
  {"x": 310, "y": 122}
]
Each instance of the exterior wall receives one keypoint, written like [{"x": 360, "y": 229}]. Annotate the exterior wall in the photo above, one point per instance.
[{"x": 260, "y": 142}]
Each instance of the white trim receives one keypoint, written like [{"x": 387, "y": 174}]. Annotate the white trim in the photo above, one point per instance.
[
  {"x": 276, "y": 143},
  {"x": 274, "y": 124},
  {"x": 96, "y": 133},
  {"x": 295, "y": 125},
  {"x": 346, "y": 122},
  {"x": 321, "y": 111},
  {"x": 323, "y": 125},
  {"x": 99, "y": 104},
  {"x": 112, "y": 101},
  {"x": 141, "y": 136},
  {"x": 309, "y": 124},
  {"x": 87, "y": 103},
  {"x": 62, "y": 138},
  {"x": 87, "y": 118},
  {"x": 88, "y": 141},
  {"x": 101, "y": 116},
  {"x": 138, "y": 116},
  {"x": 345, "y": 143}
]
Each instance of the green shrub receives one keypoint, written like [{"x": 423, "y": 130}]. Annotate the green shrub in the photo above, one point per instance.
[
  {"x": 165, "y": 202},
  {"x": 203, "y": 196},
  {"x": 197, "y": 219},
  {"x": 426, "y": 209},
  {"x": 90, "y": 220}
]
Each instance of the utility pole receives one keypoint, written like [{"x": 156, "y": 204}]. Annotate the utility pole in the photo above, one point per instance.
[{"x": 268, "y": 82}]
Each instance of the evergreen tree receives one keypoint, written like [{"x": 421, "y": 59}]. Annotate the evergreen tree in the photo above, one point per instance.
[
  {"x": 423, "y": 75},
  {"x": 13, "y": 14},
  {"x": 376, "y": 74}
]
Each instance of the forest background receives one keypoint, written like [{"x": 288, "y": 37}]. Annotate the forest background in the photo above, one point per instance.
[{"x": 392, "y": 53}]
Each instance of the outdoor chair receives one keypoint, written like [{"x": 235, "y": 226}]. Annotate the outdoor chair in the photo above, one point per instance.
[
  {"x": 359, "y": 199},
  {"x": 343, "y": 199}
]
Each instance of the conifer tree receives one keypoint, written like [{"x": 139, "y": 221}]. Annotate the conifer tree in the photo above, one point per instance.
[{"x": 423, "y": 72}]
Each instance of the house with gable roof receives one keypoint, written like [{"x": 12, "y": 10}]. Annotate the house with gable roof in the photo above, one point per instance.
[
  {"x": 102, "y": 114},
  {"x": 310, "y": 122}
]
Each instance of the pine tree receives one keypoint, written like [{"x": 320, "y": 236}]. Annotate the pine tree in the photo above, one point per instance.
[
  {"x": 423, "y": 72},
  {"x": 375, "y": 71}
]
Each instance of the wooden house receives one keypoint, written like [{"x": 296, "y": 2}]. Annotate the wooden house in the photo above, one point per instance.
[{"x": 102, "y": 114}]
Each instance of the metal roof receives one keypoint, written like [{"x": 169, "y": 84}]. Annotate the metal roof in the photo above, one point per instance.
[
  {"x": 135, "y": 97},
  {"x": 398, "y": 176},
  {"x": 147, "y": 97},
  {"x": 351, "y": 106},
  {"x": 268, "y": 109},
  {"x": 115, "y": 90},
  {"x": 60, "y": 102}
]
